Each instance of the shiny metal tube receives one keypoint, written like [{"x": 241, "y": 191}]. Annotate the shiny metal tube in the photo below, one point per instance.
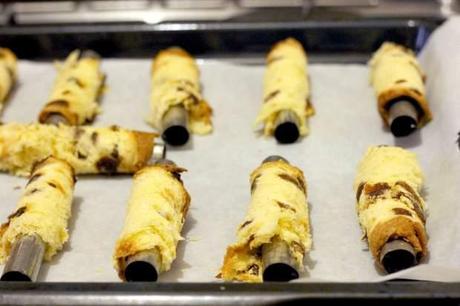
[
  {"x": 143, "y": 266},
  {"x": 403, "y": 118},
  {"x": 286, "y": 127},
  {"x": 397, "y": 255},
  {"x": 25, "y": 259},
  {"x": 175, "y": 127}
]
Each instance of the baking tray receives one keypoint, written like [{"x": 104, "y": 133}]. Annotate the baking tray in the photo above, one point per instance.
[{"x": 353, "y": 40}]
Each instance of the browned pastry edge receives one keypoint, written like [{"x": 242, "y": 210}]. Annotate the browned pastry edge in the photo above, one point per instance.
[
  {"x": 398, "y": 228},
  {"x": 399, "y": 92},
  {"x": 145, "y": 143},
  {"x": 231, "y": 255},
  {"x": 60, "y": 108}
]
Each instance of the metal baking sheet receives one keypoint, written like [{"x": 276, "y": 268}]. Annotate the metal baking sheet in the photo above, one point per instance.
[{"x": 345, "y": 124}]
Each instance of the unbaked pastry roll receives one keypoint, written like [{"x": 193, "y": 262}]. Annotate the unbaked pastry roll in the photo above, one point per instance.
[
  {"x": 396, "y": 74},
  {"x": 389, "y": 205},
  {"x": 278, "y": 212},
  {"x": 43, "y": 210},
  {"x": 74, "y": 99},
  {"x": 157, "y": 209},
  {"x": 286, "y": 86},
  {"x": 87, "y": 149},
  {"x": 8, "y": 72},
  {"x": 176, "y": 81}
]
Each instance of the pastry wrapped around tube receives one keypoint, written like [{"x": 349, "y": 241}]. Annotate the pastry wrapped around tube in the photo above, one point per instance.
[
  {"x": 157, "y": 209},
  {"x": 278, "y": 214},
  {"x": 89, "y": 150},
  {"x": 176, "y": 82},
  {"x": 390, "y": 208},
  {"x": 286, "y": 87},
  {"x": 8, "y": 73},
  {"x": 43, "y": 210},
  {"x": 396, "y": 75},
  {"x": 77, "y": 88}
]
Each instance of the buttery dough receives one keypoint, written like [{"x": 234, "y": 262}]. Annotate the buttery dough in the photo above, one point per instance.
[
  {"x": 8, "y": 72},
  {"x": 43, "y": 210},
  {"x": 76, "y": 90},
  {"x": 389, "y": 205},
  {"x": 278, "y": 210},
  {"x": 286, "y": 86},
  {"x": 87, "y": 149},
  {"x": 395, "y": 73},
  {"x": 157, "y": 210},
  {"x": 176, "y": 81}
]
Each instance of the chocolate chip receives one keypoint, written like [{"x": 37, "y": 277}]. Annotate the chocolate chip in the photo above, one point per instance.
[
  {"x": 293, "y": 180},
  {"x": 66, "y": 92},
  {"x": 285, "y": 206},
  {"x": 360, "y": 190},
  {"x": 115, "y": 153},
  {"x": 52, "y": 184},
  {"x": 81, "y": 155},
  {"x": 400, "y": 81},
  {"x": 115, "y": 128},
  {"x": 108, "y": 165},
  {"x": 251, "y": 238},
  {"x": 32, "y": 191},
  {"x": 246, "y": 223},
  {"x": 253, "y": 269},
  {"x": 271, "y": 95},
  {"x": 18, "y": 212},
  {"x": 78, "y": 132},
  {"x": 376, "y": 190},
  {"x": 402, "y": 211}
]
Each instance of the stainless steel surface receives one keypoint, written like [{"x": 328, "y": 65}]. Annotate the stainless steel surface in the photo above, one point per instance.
[
  {"x": 25, "y": 259},
  {"x": 175, "y": 126},
  {"x": 357, "y": 294},
  {"x": 151, "y": 258},
  {"x": 278, "y": 263},
  {"x": 56, "y": 119},
  {"x": 403, "y": 118},
  {"x": 397, "y": 255},
  {"x": 274, "y": 158},
  {"x": 159, "y": 151},
  {"x": 286, "y": 127}
]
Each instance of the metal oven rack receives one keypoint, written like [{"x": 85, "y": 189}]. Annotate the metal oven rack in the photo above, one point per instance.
[{"x": 348, "y": 34}]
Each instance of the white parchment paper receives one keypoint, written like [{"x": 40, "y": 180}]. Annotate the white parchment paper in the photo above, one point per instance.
[{"x": 345, "y": 124}]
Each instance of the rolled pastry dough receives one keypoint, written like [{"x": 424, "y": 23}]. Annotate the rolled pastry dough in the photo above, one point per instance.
[
  {"x": 8, "y": 73},
  {"x": 157, "y": 209},
  {"x": 43, "y": 210},
  {"x": 395, "y": 73},
  {"x": 278, "y": 210},
  {"x": 286, "y": 86},
  {"x": 176, "y": 81},
  {"x": 389, "y": 205},
  {"x": 87, "y": 149},
  {"x": 76, "y": 90}
]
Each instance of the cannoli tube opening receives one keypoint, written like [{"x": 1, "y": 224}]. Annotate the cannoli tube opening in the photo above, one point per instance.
[
  {"x": 174, "y": 126},
  {"x": 159, "y": 152},
  {"x": 56, "y": 119},
  {"x": 143, "y": 267},
  {"x": 25, "y": 259},
  {"x": 279, "y": 265},
  {"x": 397, "y": 255},
  {"x": 272, "y": 158},
  {"x": 403, "y": 118},
  {"x": 286, "y": 127}
]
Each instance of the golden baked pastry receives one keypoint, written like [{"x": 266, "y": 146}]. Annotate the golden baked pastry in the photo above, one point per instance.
[
  {"x": 395, "y": 73},
  {"x": 388, "y": 185},
  {"x": 43, "y": 210},
  {"x": 76, "y": 90},
  {"x": 278, "y": 210},
  {"x": 157, "y": 209},
  {"x": 87, "y": 149},
  {"x": 286, "y": 86},
  {"x": 176, "y": 81},
  {"x": 8, "y": 73}
]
